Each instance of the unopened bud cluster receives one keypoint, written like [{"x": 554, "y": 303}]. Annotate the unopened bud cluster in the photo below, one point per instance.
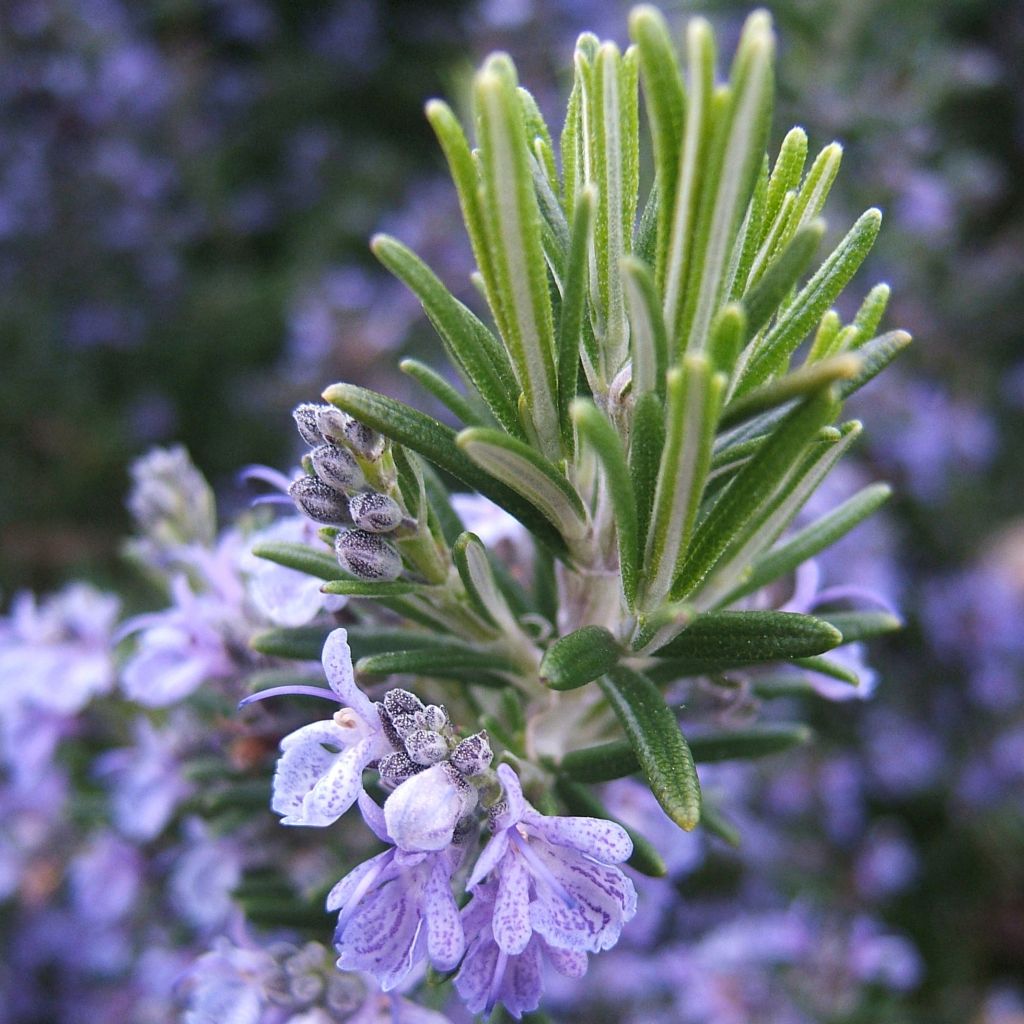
[{"x": 335, "y": 491}]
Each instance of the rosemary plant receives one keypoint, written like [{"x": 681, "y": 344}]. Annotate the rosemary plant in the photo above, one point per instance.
[{"x": 653, "y": 393}]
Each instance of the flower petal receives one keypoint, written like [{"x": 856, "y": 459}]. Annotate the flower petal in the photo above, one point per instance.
[
  {"x": 603, "y": 840},
  {"x": 446, "y": 941},
  {"x": 511, "y": 923},
  {"x": 337, "y": 659},
  {"x": 422, "y": 812},
  {"x": 373, "y": 815},
  {"x": 488, "y": 859},
  {"x": 342, "y": 891},
  {"x": 517, "y": 805}
]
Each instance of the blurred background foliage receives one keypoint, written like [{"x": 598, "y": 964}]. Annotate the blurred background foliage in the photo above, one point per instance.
[{"x": 186, "y": 190}]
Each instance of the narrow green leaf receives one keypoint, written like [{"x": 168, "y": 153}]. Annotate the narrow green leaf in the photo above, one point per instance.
[
  {"x": 871, "y": 311},
  {"x": 607, "y": 444},
  {"x": 579, "y": 658},
  {"x": 529, "y": 474},
  {"x": 301, "y": 643},
  {"x": 765, "y": 297},
  {"x": 826, "y": 337},
  {"x": 301, "y": 557},
  {"x": 574, "y": 294},
  {"x": 856, "y": 626},
  {"x": 451, "y": 660},
  {"x": 645, "y": 239},
  {"x": 474, "y": 567},
  {"x": 436, "y": 442},
  {"x": 786, "y": 172},
  {"x": 512, "y": 220},
  {"x": 694, "y": 400},
  {"x": 810, "y": 200},
  {"x": 601, "y": 763},
  {"x": 662, "y": 753},
  {"x": 375, "y": 639},
  {"x": 875, "y": 356},
  {"x": 365, "y": 588},
  {"x": 436, "y": 385},
  {"x": 793, "y": 386},
  {"x": 828, "y": 667},
  {"x": 719, "y": 640},
  {"x": 758, "y": 741},
  {"x": 646, "y": 444},
  {"x": 648, "y": 338},
  {"x": 440, "y": 504},
  {"x": 817, "y": 536},
  {"x": 728, "y": 334},
  {"x": 718, "y": 825},
  {"x": 581, "y": 801},
  {"x": 772, "y": 354},
  {"x": 730, "y": 519},
  {"x": 666, "y": 108}
]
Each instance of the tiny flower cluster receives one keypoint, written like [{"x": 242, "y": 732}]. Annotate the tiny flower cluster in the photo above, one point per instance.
[
  {"x": 335, "y": 491},
  {"x": 543, "y": 887}
]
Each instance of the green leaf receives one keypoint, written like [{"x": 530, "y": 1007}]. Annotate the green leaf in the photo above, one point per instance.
[
  {"x": 473, "y": 565},
  {"x": 601, "y": 763},
  {"x": 662, "y": 753},
  {"x": 646, "y": 444},
  {"x": 786, "y": 172},
  {"x": 730, "y": 521},
  {"x": 817, "y": 536},
  {"x": 580, "y": 801},
  {"x": 719, "y": 640},
  {"x": 601, "y": 435},
  {"x": 648, "y": 338},
  {"x": 368, "y": 640},
  {"x": 436, "y": 385},
  {"x": 522, "y": 469},
  {"x": 771, "y": 355},
  {"x": 301, "y": 643},
  {"x": 810, "y": 200},
  {"x": 828, "y": 667},
  {"x": 369, "y": 588},
  {"x": 875, "y": 356},
  {"x": 513, "y": 223},
  {"x": 731, "y": 172},
  {"x": 807, "y": 379},
  {"x": 301, "y": 557},
  {"x": 694, "y": 400},
  {"x": 857, "y": 626},
  {"x": 446, "y": 661},
  {"x": 440, "y": 504},
  {"x": 666, "y": 107},
  {"x": 436, "y": 442},
  {"x": 871, "y": 311},
  {"x": 574, "y": 294},
  {"x": 579, "y": 658},
  {"x": 728, "y": 334}
]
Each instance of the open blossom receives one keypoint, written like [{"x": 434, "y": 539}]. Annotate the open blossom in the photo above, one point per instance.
[
  {"x": 396, "y": 909},
  {"x": 320, "y": 772}
]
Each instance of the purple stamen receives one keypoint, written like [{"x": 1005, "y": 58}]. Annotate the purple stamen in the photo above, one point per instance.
[
  {"x": 265, "y": 475},
  {"x": 541, "y": 870},
  {"x": 271, "y": 499},
  {"x": 287, "y": 691}
]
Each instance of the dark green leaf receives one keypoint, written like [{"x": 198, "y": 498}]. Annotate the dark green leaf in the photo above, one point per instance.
[{"x": 579, "y": 658}]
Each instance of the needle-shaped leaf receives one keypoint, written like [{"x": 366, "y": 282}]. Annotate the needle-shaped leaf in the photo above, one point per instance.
[
  {"x": 661, "y": 751},
  {"x": 436, "y": 442},
  {"x": 648, "y": 338},
  {"x": 720, "y": 640},
  {"x": 607, "y": 445},
  {"x": 301, "y": 557},
  {"x": 856, "y": 626},
  {"x": 786, "y": 172},
  {"x": 694, "y": 400},
  {"x": 369, "y": 588},
  {"x": 430, "y": 380},
  {"x": 529, "y": 474},
  {"x": 513, "y": 223},
  {"x": 771, "y": 355},
  {"x": 579, "y": 658},
  {"x": 871, "y": 311},
  {"x": 646, "y": 443},
  {"x": 875, "y": 356},
  {"x": 581, "y": 801},
  {"x": 731, "y": 518},
  {"x": 815, "y": 537},
  {"x": 301, "y": 643},
  {"x": 474, "y": 567},
  {"x": 442, "y": 662}
]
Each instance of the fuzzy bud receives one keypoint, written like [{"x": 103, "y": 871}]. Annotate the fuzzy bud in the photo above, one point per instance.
[
  {"x": 318, "y": 501},
  {"x": 376, "y": 513},
  {"x": 337, "y": 467},
  {"x": 422, "y": 813},
  {"x": 434, "y": 717},
  {"x": 473, "y": 755},
  {"x": 399, "y": 702},
  {"x": 398, "y": 767},
  {"x": 364, "y": 441},
  {"x": 426, "y": 747},
  {"x": 305, "y": 417},
  {"x": 366, "y": 556}
]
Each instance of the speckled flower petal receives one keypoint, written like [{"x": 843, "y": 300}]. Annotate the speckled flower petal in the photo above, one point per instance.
[
  {"x": 568, "y": 962},
  {"x": 422, "y": 812},
  {"x": 517, "y": 805},
  {"x": 445, "y": 939},
  {"x": 373, "y": 815},
  {"x": 511, "y": 923},
  {"x": 473, "y": 982},
  {"x": 603, "y": 840},
  {"x": 603, "y": 900},
  {"x": 343, "y": 891},
  {"x": 522, "y": 985},
  {"x": 489, "y": 859},
  {"x": 337, "y": 659}
]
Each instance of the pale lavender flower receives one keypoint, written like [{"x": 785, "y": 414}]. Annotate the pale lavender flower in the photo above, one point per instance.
[
  {"x": 206, "y": 872},
  {"x": 397, "y": 909},
  {"x": 423, "y": 812},
  {"x": 556, "y": 879},
  {"x": 320, "y": 772},
  {"x": 106, "y": 878}
]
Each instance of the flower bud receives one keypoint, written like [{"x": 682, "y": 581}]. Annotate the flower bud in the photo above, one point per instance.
[
  {"x": 318, "y": 501},
  {"x": 426, "y": 747},
  {"x": 422, "y": 813},
  {"x": 473, "y": 755},
  {"x": 367, "y": 556},
  {"x": 337, "y": 467},
  {"x": 398, "y": 767},
  {"x": 305, "y": 417},
  {"x": 434, "y": 717},
  {"x": 376, "y": 513},
  {"x": 339, "y": 428}
]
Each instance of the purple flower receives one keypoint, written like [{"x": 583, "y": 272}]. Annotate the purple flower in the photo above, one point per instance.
[
  {"x": 556, "y": 876},
  {"x": 490, "y": 975},
  {"x": 422, "y": 813},
  {"x": 320, "y": 772},
  {"x": 396, "y": 909}
]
